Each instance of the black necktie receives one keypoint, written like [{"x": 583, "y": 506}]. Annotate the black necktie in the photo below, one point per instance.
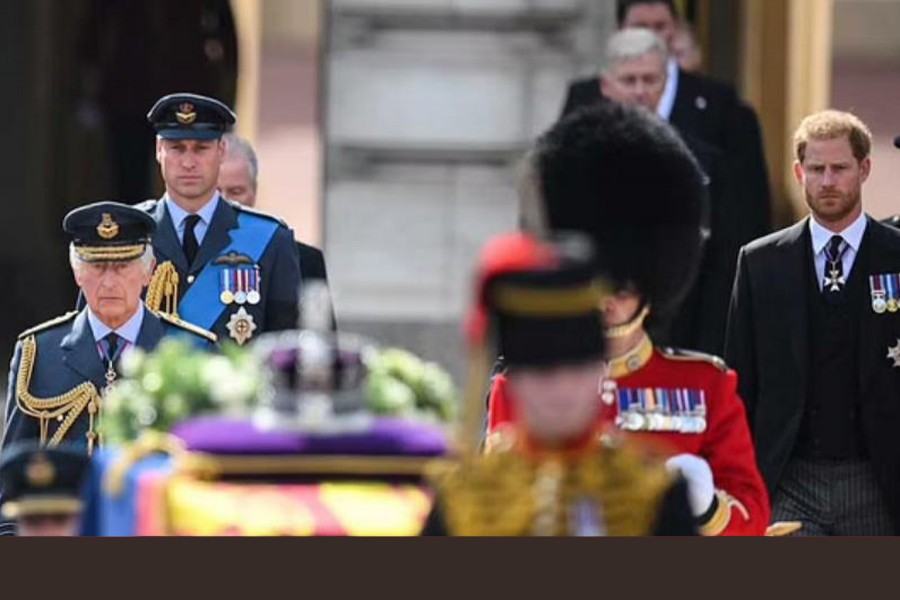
[
  {"x": 834, "y": 266},
  {"x": 189, "y": 243},
  {"x": 112, "y": 345}
]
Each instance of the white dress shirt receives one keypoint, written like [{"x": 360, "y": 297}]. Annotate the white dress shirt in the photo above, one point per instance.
[
  {"x": 178, "y": 215},
  {"x": 852, "y": 238},
  {"x": 128, "y": 332},
  {"x": 667, "y": 100}
]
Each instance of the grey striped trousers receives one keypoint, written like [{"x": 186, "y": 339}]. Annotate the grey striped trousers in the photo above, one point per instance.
[{"x": 832, "y": 497}]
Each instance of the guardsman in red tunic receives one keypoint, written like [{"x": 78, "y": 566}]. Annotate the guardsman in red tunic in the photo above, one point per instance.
[
  {"x": 554, "y": 474},
  {"x": 689, "y": 403},
  {"x": 641, "y": 204}
]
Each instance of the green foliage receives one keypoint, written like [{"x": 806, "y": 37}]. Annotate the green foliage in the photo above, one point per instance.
[
  {"x": 401, "y": 384},
  {"x": 176, "y": 382}
]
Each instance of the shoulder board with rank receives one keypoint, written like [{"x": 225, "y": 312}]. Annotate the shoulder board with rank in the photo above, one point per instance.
[
  {"x": 692, "y": 356},
  {"x": 48, "y": 324},
  {"x": 251, "y": 211},
  {"x": 187, "y": 326},
  {"x": 147, "y": 205}
]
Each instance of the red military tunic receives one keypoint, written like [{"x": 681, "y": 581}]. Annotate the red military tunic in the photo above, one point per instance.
[{"x": 688, "y": 403}]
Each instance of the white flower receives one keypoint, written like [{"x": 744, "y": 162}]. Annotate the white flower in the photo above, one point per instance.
[
  {"x": 152, "y": 382},
  {"x": 215, "y": 369},
  {"x": 132, "y": 361},
  {"x": 233, "y": 390}
]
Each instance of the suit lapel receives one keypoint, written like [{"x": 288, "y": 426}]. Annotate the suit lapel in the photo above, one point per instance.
[
  {"x": 152, "y": 331},
  {"x": 684, "y": 116},
  {"x": 80, "y": 350},
  {"x": 793, "y": 285},
  {"x": 871, "y": 354},
  {"x": 217, "y": 236},
  {"x": 165, "y": 241}
]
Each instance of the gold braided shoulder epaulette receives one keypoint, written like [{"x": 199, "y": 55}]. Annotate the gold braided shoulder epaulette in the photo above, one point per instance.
[
  {"x": 209, "y": 335},
  {"x": 66, "y": 408},
  {"x": 48, "y": 324},
  {"x": 162, "y": 293}
]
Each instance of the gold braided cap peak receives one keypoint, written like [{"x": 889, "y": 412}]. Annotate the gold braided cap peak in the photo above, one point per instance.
[
  {"x": 48, "y": 324},
  {"x": 173, "y": 320}
]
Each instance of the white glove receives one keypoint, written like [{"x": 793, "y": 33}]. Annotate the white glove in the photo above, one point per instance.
[{"x": 698, "y": 474}]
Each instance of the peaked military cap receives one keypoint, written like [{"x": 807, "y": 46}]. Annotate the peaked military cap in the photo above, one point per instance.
[
  {"x": 190, "y": 117},
  {"x": 42, "y": 481},
  {"x": 109, "y": 231}
]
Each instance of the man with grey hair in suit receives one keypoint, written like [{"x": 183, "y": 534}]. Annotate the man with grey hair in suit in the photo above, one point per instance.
[{"x": 238, "y": 181}]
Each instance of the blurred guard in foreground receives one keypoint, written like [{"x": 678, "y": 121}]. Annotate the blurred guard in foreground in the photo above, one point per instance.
[
  {"x": 555, "y": 475},
  {"x": 42, "y": 489}
]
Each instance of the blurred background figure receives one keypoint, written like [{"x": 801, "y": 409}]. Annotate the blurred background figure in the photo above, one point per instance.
[
  {"x": 633, "y": 72},
  {"x": 239, "y": 181},
  {"x": 42, "y": 490},
  {"x": 685, "y": 48},
  {"x": 239, "y": 173}
]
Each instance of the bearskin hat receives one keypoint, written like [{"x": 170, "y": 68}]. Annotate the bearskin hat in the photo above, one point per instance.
[{"x": 626, "y": 179}]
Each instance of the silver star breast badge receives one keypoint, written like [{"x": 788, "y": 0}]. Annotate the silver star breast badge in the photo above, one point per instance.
[
  {"x": 241, "y": 326},
  {"x": 894, "y": 354}
]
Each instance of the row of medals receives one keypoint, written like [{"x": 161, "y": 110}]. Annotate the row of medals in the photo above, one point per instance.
[
  {"x": 246, "y": 293},
  {"x": 641, "y": 420}
]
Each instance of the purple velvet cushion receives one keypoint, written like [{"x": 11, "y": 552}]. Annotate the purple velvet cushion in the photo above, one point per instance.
[{"x": 386, "y": 437}]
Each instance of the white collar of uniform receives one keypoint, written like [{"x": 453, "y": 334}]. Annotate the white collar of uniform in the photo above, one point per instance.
[
  {"x": 129, "y": 331},
  {"x": 178, "y": 214},
  {"x": 852, "y": 235},
  {"x": 667, "y": 100}
]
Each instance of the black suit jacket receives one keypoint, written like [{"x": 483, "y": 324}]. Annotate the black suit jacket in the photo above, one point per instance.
[
  {"x": 312, "y": 268},
  {"x": 312, "y": 262},
  {"x": 703, "y": 107},
  {"x": 768, "y": 345},
  {"x": 712, "y": 111}
]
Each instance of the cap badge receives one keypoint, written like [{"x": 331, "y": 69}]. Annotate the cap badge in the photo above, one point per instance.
[
  {"x": 186, "y": 114},
  {"x": 40, "y": 471},
  {"x": 107, "y": 229}
]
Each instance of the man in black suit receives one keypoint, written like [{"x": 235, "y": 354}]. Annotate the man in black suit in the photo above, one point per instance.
[
  {"x": 238, "y": 181},
  {"x": 699, "y": 106},
  {"x": 814, "y": 334},
  {"x": 634, "y": 73}
]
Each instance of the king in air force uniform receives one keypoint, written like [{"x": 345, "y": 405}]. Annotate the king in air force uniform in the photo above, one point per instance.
[{"x": 61, "y": 369}]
